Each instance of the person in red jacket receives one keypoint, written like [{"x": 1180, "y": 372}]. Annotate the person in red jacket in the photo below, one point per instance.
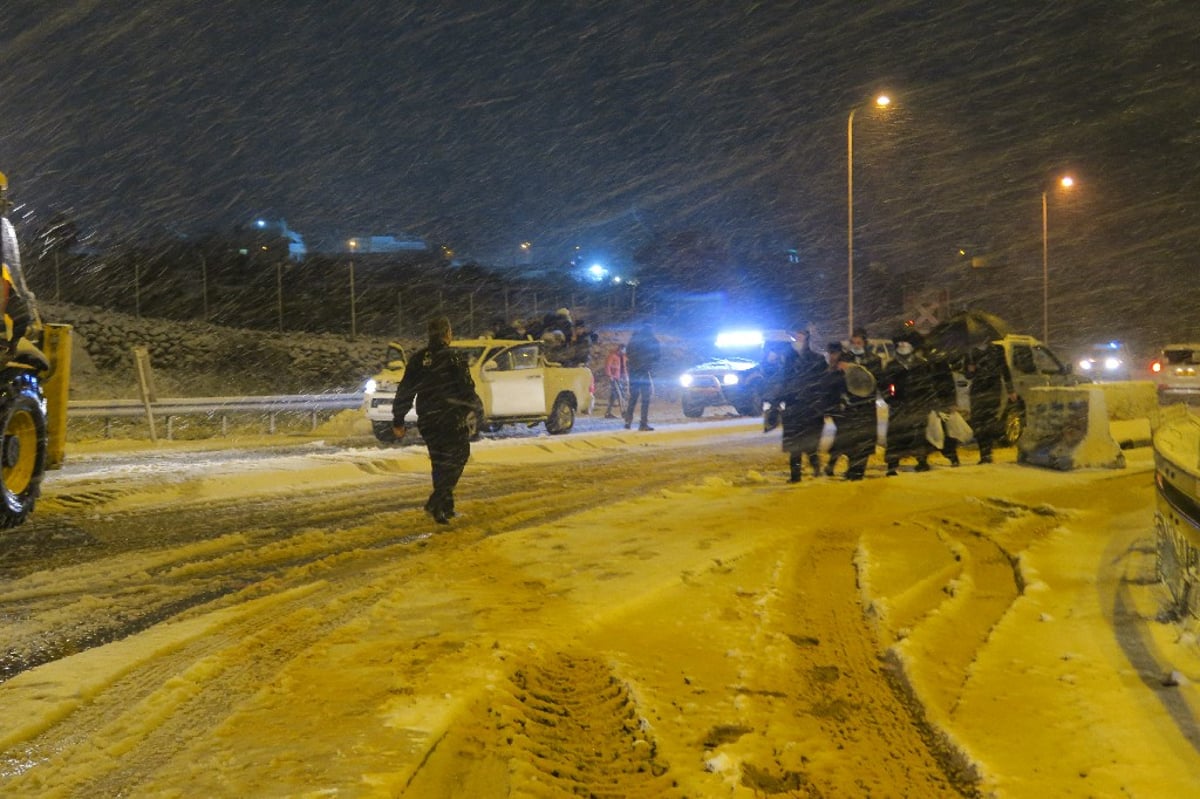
[{"x": 617, "y": 370}]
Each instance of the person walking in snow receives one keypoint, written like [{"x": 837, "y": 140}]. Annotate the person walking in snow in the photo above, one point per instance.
[
  {"x": 913, "y": 387},
  {"x": 799, "y": 393},
  {"x": 617, "y": 371},
  {"x": 642, "y": 355},
  {"x": 438, "y": 380},
  {"x": 991, "y": 392},
  {"x": 856, "y": 420}
]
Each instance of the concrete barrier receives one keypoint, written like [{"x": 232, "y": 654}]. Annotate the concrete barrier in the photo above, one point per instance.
[
  {"x": 1133, "y": 412},
  {"x": 1067, "y": 428}
]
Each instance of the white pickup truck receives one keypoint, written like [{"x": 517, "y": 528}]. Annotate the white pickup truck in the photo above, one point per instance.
[{"x": 514, "y": 382}]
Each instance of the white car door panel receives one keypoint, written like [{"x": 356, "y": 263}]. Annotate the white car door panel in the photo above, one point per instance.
[{"x": 516, "y": 382}]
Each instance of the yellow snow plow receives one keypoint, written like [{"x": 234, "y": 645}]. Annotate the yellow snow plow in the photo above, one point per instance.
[{"x": 35, "y": 376}]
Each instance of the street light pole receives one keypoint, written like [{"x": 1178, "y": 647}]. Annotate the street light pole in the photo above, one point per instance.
[
  {"x": 850, "y": 224},
  {"x": 882, "y": 101},
  {"x": 1066, "y": 182},
  {"x": 353, "y": 300},
  {"x": 1045, "y": 274}
]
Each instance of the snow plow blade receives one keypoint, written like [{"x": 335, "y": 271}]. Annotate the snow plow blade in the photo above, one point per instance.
[{"x": 56, "y": 383}]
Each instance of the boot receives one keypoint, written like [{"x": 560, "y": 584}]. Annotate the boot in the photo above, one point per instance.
[
  {"x": 892, "y": 468},
  {"x": 815, "y": 462},
  {"x": 794, "y": 463}
]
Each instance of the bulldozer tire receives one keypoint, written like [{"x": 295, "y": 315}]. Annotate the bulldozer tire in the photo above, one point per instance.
[{"x": 22, "y": 449}]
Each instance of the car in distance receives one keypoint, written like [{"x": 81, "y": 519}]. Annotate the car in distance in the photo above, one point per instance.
[
  {"x": 1105, "y": 362},
  {"x": 735, "y": 376},
  {"x": 1176, "y": 372},
  {"x": 514, "y": 384}
]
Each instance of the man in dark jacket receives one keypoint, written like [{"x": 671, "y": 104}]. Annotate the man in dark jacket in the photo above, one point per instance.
[
  {"x": 857, "y": 425},
  {"x": 991, "y": 391},
  {"x": 913, "y": 387},
  {"x": 438, "y": 379},
  {"x": 801, "y": 386},
  {"x": 642, "y": 356}
]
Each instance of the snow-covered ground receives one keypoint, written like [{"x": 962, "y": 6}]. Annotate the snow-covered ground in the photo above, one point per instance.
[{"x": 617, "y": 613}]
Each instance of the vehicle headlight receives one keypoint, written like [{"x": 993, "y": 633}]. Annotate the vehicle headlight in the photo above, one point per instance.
[
  {"x": 1085, "y": 365},
  {"x": 1112, "y": 364},
  {"x": 370, "y": 386},
  {"x": 685, "y": 381},
  {"x": 730, "y": 379}
]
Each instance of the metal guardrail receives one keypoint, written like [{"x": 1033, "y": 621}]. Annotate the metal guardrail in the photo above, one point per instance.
[{"x": 221, "y": 407}]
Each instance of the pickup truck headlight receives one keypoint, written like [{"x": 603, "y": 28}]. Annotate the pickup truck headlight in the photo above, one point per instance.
[
  {"x": 730, "y": 379},
  {"x": 1112, "y": 364},
  {"x": 370, "y": 386},
  {"x": 685, "y": 380}
]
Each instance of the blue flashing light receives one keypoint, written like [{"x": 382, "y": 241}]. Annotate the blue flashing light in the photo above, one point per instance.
[{"x": 740, "y": 339}]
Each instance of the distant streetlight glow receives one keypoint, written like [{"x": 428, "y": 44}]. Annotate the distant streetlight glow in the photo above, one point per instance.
[{"x": 597, "y": 271}]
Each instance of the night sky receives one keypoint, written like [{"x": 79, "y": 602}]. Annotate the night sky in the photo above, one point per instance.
[{"x": 608, "y": 124}]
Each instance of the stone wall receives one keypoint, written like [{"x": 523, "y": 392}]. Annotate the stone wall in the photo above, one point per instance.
[{"x": 197, "y": 359}]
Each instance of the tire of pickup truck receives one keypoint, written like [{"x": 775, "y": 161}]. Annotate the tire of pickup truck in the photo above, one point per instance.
[
  {"x": 752, "y": 403},
  {"x": 562, "y": 416},
  {"x": 691, "y": 408},
  {"x": 1014, "y": 424},
  {"x": 22, "y": 448}
]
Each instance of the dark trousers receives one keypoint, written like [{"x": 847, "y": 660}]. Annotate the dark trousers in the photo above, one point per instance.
[
  {"x": 640, "y": 388},
  {"x": 614, "y": 396},
  {"x": 855, "y": 438},
  {"x": 448, "y": 454}
]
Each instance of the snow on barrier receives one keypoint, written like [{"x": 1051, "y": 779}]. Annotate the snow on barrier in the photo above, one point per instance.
[
  {"x": 1133, "y": 411},
  {"x": 1177, "y": 513},
  {"x": 1067, "y": 428}
]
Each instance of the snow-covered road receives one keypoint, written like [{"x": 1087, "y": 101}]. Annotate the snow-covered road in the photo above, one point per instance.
[{"x": 618, "y": 613}]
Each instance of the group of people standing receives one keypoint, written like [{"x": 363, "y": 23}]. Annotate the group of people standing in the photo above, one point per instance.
[{"x": 842, "y": 387}]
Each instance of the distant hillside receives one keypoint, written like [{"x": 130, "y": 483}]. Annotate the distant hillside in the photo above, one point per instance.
[{"x": 199, "y": 359}]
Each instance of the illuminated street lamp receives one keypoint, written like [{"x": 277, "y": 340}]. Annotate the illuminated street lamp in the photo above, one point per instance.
[
  {"x": 524, "y": 247},
  {"x": 882, "y": 101},
  {"x": 1065, "y": 182}
]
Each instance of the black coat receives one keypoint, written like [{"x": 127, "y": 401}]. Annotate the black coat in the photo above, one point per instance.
[
  {"x": 991, "y": 382},
  {"x": 438, "y": 379},
  {"x": 642, "y": 354},
  {"x": 912, "y": 387},
  {"x": 807, "y": 391}
]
